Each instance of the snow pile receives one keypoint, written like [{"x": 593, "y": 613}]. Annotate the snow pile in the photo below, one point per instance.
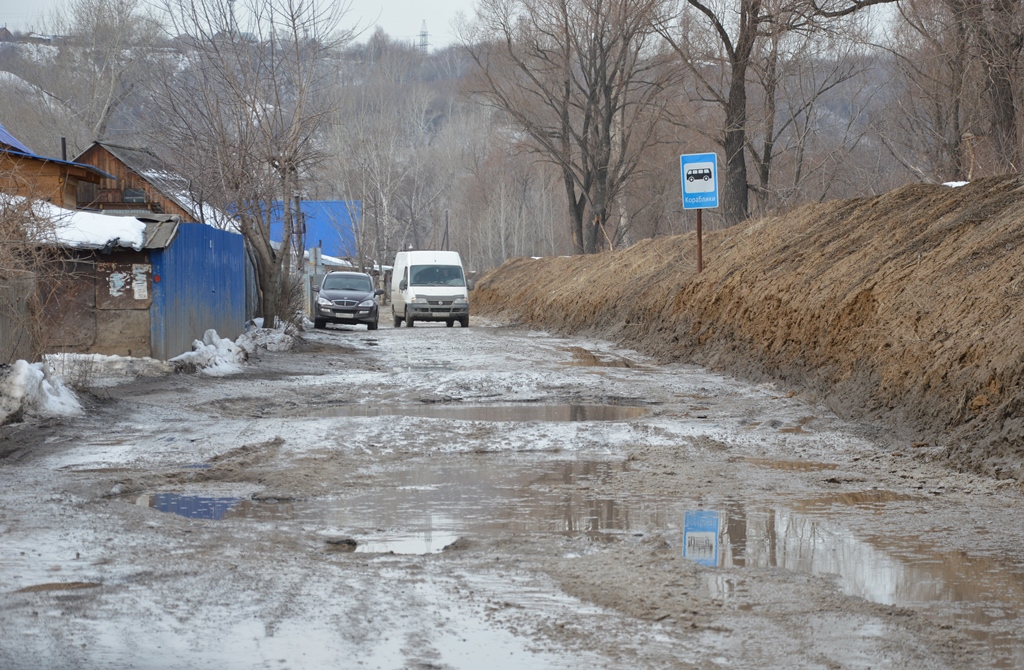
[
  {"x": 267, "y": 338},
  {"x": 214, "y": 356},
  {"x": 28, "y": 389},
  {"x": 95, "y": 370}
]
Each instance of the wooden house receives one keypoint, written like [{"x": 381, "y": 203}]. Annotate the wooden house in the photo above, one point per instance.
[
  {"x": 140, "y": 183},
  {"x": 55, "y": 180},
  {"x": 130, "y": 287}
]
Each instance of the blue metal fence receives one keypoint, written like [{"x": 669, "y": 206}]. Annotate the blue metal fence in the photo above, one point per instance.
[{"x": 198, "y": 283}]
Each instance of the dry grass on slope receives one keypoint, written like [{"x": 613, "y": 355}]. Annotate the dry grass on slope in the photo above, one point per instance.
[{"x": 906, "y": 309}]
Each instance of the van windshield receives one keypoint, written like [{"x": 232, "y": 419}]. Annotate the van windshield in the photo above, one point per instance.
[{"x": 436, "y": 275}]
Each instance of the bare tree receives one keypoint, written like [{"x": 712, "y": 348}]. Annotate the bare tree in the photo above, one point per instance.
[
  {"x": 999, "y": 36},
  {"x": 244, "y": 107},
  {"x": 84, "y": 85},
  {"x": 105, "y": 54},
  {"x": 954, "y": 112},
  {"x": 792, "y": 80},
  {"x": 29, "y": 270},
  {"x": 586, "y": 82},
  {"x": 721, "y": 41},
  {"x": 383, "y": 149}
]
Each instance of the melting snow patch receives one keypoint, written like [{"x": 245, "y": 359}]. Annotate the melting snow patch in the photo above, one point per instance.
[
  {"x": 267, "y": 338},
  {"x": 93, "y": 370},
  {"x": 214, "y": 356},
  {"x": 28, "y": 389}
]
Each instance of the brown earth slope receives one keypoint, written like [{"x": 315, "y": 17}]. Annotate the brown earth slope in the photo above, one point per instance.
[{"x": 905, "y": 309}]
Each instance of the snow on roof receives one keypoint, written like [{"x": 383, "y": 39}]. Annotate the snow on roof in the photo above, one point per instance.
[
  {"x": 88, "y": 230},
  {"x": 329, "y": 260}
]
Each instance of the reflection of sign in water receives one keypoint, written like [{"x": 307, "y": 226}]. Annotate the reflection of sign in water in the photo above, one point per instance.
[
  {"x": 700, "y": 537},
  {"x": 700, "y": 180}
]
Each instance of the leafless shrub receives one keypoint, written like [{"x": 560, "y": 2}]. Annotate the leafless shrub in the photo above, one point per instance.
[
  {"x": 76, "y": 371},
  {"x": 28, "y": 269}
]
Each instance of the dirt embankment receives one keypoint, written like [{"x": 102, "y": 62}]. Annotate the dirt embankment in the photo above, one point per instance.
[{"x": 905, "y": 309}]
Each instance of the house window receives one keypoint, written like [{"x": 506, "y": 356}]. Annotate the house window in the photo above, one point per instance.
[{"x": 134, "y": 195}]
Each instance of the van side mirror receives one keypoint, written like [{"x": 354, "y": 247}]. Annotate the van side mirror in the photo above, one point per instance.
[
  {"x": 402, "y": 285},
  {"x": 470, "y": 284}
]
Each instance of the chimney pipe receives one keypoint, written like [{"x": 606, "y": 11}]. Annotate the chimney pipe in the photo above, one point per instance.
[{"x": 64, "y": 148}]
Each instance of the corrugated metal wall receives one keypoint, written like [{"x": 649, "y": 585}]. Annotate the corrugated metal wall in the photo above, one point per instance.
[{"x": 201, "y": 285}]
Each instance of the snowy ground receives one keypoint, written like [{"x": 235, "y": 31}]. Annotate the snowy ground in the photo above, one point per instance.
[{"x": 441, "y": 498}]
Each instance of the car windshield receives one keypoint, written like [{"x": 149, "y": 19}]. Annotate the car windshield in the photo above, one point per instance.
[
  {"x": 436, "y": 275},
  {"x": 347, "y": 283}
]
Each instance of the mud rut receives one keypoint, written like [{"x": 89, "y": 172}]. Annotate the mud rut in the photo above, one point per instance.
[{"x": 445, "y": 498}]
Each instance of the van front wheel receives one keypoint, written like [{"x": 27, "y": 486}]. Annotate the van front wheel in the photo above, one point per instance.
[
  {"x": 397, "y": 319},
  {"x": 409, "y": 321},
  {"x": 464, "y": 322}
]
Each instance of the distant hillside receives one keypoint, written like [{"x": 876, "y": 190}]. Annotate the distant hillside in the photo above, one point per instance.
[
  {"x": 31, "y": 114},
  {"x": 905, "y": 309}
]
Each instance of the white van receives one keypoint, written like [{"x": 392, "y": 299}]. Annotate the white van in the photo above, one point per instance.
[{"x": 429, "y": 286}]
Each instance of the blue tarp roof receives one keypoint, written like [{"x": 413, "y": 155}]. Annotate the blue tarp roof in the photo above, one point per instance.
[
  {"x": 19, "y": 149},
  {"x": 329, "y": 224},
  {"x": 12, "y": 141},
  {"x": 90, "y": 168}
]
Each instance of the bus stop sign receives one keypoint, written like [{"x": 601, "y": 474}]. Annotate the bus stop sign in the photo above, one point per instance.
[{"x": 700, "y": 180}]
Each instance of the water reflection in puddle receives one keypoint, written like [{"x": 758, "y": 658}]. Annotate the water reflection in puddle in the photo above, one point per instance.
[
  {"x": 984, "y": 593},
  {"x": 429, "y": 507},
  {"x": 520, "y": 412},
  {"x": 193, "y": 507},
  {"x": 798, "y": 466},
  {"x": 481, "y": 498},
  {"x": 585, "y": 358}
]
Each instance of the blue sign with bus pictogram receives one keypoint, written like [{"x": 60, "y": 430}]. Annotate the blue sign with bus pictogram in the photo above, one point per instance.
[{"x": 700, "y": 180}]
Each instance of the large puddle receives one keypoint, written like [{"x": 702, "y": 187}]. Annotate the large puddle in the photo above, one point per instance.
[
  {"x": 429, "y": 507},
  {"x": 510, "y": 412}
]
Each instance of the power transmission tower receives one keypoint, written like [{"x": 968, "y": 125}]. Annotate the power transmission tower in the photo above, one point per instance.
[{"x": 424, "y": 43}]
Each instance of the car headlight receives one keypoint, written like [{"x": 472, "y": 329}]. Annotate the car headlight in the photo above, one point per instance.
[
  {"x": 460, "y": 302},
  {"x": 324, "y": 302},
  {"x": 369, "y": 302},
  {"x": 419, "y": 301}
]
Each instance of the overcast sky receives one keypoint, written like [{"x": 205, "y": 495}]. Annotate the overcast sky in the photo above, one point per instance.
[{"x": 401, "y": 19}]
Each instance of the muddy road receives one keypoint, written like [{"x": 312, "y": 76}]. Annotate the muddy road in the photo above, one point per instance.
[{"x": 492, "y": 497}]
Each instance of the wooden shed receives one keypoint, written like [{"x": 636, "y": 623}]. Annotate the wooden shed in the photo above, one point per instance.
[
  {"x": 140, "y": 183},
  {"x": 153, "y": 301},
  {"x": 133, "y": 287},
  {"x": 55, "y": 180}
]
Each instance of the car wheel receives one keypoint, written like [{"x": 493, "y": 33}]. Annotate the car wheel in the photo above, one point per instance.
[
  {"x": 464, "y": 322},
  {"x": 372, "y": 325},
  {"x": 449, "y": 323},
  {"x": 319, "y": 323}
]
